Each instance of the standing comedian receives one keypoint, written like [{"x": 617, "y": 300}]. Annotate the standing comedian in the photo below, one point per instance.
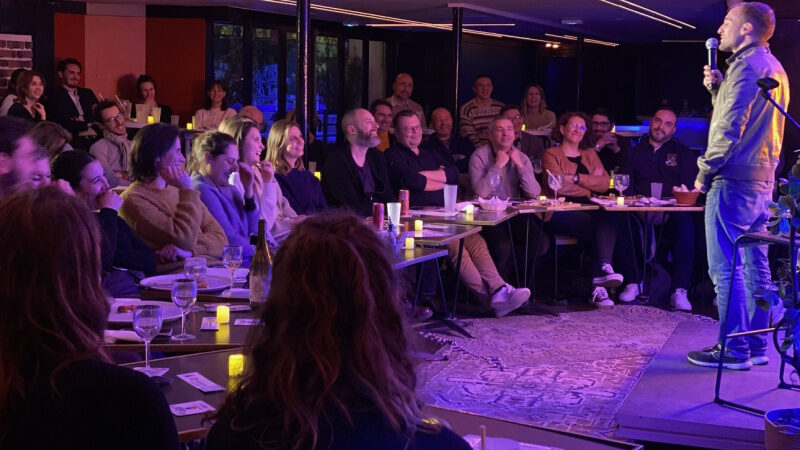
[{"x": 737, "y": 171}]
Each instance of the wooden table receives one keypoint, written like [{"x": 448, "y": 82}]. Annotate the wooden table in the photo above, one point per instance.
[
  {"x": 676, "y": 208},
  {"x": 227, "y": 337},
  {"x": 478, "y": 218},
  {"x": 450, "y": 233}
]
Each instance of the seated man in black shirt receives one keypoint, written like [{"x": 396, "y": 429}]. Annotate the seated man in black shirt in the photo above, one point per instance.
[
  {"x": 456, "y": 149},
  {"x": 610, "y": 147},
  {"x": 661, "y": 159},
  {"x": 424, "y": 173}
]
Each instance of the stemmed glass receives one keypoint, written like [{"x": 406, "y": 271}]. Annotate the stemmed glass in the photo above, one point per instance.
[
  {"x": 195, "y": 269},
  {"x": 231, "y": 259},
  {"x": 621, "y": 182},
  {"x": 556, "y": 182},
  {"x": 184, "y": 294},
  {"x": 147, "y": 323},
  {"x": 494, "y": 182}
]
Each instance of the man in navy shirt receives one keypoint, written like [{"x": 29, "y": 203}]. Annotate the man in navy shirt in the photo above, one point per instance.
[{"x": 662, "y": 159}]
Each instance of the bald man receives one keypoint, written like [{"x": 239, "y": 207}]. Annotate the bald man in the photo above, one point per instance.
[
  {"x": 403, "y": 86},
  {"x": 456, "y": 149}
]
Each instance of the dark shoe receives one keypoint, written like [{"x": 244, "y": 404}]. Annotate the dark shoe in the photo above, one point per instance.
[
  {"x": 709, "y": 357},
  {"x": 421, "y": 314}
]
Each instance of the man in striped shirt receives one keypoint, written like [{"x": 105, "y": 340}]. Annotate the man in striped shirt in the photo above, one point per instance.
[{"x": 478, "y": 113}]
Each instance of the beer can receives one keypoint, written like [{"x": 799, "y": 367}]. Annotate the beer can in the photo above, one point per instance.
[
  {"x": 377, "y": 216},
  {"x": 405, "y": 202}
]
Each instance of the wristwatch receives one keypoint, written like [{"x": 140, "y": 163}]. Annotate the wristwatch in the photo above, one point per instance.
[{"x": 575, "y": 179}]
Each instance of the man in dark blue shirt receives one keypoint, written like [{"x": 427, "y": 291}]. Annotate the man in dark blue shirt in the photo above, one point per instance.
[{"x": 661, "y": 159}]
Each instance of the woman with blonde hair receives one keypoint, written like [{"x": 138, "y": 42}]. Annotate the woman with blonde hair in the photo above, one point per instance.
[
  {"x": 334, "y": 320},
  {"x": 58, "y": 388},
  {"x": 534, "y": 109},
  {"x": 272, "y": 205},
  {"x": 285, "y": 148}
]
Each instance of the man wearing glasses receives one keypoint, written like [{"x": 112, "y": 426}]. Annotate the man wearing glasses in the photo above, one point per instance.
[
  {"x": 608, "y": 145},
  {"x": 114, "y": 149}
]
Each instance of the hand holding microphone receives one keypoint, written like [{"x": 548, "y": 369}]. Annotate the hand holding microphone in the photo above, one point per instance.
[{"x": 711, "y": 76}]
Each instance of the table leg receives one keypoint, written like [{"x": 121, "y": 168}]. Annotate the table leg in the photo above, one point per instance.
[
  {"x": 458, "y": 279},
  {"x": 513, "y": 252}
]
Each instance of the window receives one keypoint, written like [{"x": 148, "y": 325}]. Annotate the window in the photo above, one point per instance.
[
  {"x": 266, "y": 51},
  {"x": 353, "y": 74},
  {"x": 377, "y": 70},
  {"x": 228, "y": 64},
  {"x": 327, "y": 84}
]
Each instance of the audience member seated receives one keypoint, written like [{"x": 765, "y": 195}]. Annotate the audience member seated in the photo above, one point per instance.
[
  {"x": 355, "y": 382},
  {"x": 400, "y": 100},
  {"x": 454, "y": 148},
  {"x": 40, "y": 177},
  {"x": 381, "y": 110},
  {"x": 285, "y": 151},
  {"x": 18, "y": 154},
  {"x": 315, "y": 149},
  {"x": 478, "y": 113},
  {"x": 113, "y": 151},
  {"x": 55, "y": 375},
  {"x": 535, "y": 114},
  {"x": 214, "y": 157},
  {"x": 583, "y": 173},
  {"x": 610, "y": 147},
  {"x": 70, "y": 105},
  {"x": 497, "y": 169},
  {"x": 355, "y": 173},
  {"x": 514, "y": 114},
  {"x": 30, "y": 88},
  {"x": 254, "y": 114},
  {"x": 661, "y": 159},
  {"x": 126, "y": 259},
  {"x": 11, "y": 92},
  {"x": 272, "y": 205},
  {"x": 146, "y": 86},
  {"x": 52, "y": 137},
  {"x": 161, "y": 206},
  {"x": 215, "y": 109},
  {"x": 424, "y": 173}
]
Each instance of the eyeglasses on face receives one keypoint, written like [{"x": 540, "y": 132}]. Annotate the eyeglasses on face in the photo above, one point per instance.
[
  {"x": 415, "y": 128},
  {"x": 118, "y": 118},
  {"x": 576, "y": 126}
]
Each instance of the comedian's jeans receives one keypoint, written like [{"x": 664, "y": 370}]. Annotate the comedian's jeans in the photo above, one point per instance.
[{"x": 734, "y": 208}]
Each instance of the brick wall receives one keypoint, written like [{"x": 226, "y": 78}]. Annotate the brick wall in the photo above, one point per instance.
[{"x": 16, "y": 50}]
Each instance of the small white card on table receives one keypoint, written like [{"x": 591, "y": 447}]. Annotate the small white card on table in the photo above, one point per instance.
[
  {"x": 189, "y": 408},
  {"x": 200, "y": 382}
]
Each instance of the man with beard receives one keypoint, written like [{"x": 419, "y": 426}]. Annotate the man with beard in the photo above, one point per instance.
[
  {"x": 738, "y": 173},
  {"x": 70, "y": 105},
  {"x": 609, "y": 146},
  {"x": 18, "y": 154},
  {"x": 661, "y": 159},
  {"x": 355, "y": 173},
  {"x": 400, "y": 100},
  {"x": 113, "y": 151}
]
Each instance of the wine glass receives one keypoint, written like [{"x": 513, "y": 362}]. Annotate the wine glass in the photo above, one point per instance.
[
  {"x": 556, "y": 182},
  {"x": 147, "y": 323},
  {"x": 195, "y": 269},
  {"x": 494, "y": 182},
  {"x": 184, "y": 294},
  {"x": 231, "y": 259},
  {"x": 621, "y": 182}
]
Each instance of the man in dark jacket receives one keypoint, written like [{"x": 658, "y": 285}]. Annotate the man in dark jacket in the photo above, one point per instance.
[{"x": 70, "y": 105}]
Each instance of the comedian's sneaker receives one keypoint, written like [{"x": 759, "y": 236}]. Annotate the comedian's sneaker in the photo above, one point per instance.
[
  {"x": 600, "y": 297},
  {"x": 680, "y": 301},
  {"x": 608, "y": 278},
  {"x": 630, "y": 292},
  {"x": 709, "y": 357}
]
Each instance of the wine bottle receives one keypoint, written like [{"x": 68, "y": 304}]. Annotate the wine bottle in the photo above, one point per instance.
[{"x": 260, "y": 269}]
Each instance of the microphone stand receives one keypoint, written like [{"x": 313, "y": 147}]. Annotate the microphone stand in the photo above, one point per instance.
[{"x": 765, "y": 93}]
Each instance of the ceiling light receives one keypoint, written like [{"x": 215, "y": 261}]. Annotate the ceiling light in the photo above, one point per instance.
[
  {"x": 426, "y": 24},
  {"x": 548, "y": 45},
  {"x": 675, "y": 25},
  {"x": 556, "y": 45},
  {"x": 586, "y": 40},
  {"x": 572, "y": 21},
  {"x": 657, "y": 13}
]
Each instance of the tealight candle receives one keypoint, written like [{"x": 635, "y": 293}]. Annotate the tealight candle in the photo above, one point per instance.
[
  {"x": 469, "y": 209},
  {"x": 223, "y": 314},
  {"x": 542, "y": 198},
  {"x": 318, "y": 175},
  {"x": 188, "y": 125},
  {"x": 150, "y": 119},
  {"x": 620, "y": 201},
  {"x": 417, "y": 225},
  {"x": 235, "y": 365},
  {"x": 409, "y": 243}
]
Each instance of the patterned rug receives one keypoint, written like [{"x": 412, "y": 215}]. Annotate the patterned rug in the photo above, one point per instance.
[{"x": 570, "y": 372}]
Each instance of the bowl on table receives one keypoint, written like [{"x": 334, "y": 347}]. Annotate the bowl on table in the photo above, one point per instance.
[
  {"x": 493, "y": 204},
  {"x": 683, "y": 198}
]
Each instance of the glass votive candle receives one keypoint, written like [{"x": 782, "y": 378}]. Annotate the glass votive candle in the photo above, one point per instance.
[
  {"x": 409, "y": 243},
  {"x": 620, "y": 201},
  {"x": 223, "y": 314},
  {"x": 542, "y": 198},
  {"x": 417, "y": 225},
  {"x": 235, "y": 365},
  {"x": 469, "y": 209},
  {"x": 318, "y": 175},
  {"x": 188, "y": 125},
  {"x": 150, "y": 119}
]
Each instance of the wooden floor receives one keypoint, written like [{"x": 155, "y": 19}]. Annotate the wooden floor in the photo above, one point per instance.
[{"x": 673, "y": 400}]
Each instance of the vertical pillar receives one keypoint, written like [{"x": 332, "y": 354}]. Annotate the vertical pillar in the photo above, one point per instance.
[
  {"x": 458, "y": 22},
  {"x": 579, "y": 84},
  {"x": 303, "y": 89}
]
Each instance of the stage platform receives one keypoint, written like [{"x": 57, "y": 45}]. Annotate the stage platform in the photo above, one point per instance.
[{"x": 673, "y": 401}]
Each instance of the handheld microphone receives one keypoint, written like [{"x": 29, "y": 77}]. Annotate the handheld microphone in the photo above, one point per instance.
[{"x": 712, "y": 45}]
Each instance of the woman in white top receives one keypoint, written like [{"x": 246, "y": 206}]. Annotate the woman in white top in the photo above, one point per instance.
[
  {"x": 274, "y": 207},
  {"x": 215, "y": 109}
]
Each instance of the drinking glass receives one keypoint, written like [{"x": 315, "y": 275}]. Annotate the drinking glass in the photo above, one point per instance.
[
  {"x": 147, "y": 323},
  {"x": 621, "y": 182},
  {"x": 556, "y": 182},
  {"x": 494, "y": 183},
  {"x": 195, "y": 269},
  {"x": 184, "y": 294},
  {"x": 536, "y": 163},
  {"x": 231, "y": 259},
  {"x": 393, "y": 211}
]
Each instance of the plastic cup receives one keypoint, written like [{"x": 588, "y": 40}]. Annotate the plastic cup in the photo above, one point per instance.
[
  {"x": 156, "y": 113},
  {"x": 174, "y": 119},
  {"x": 141, "y": 113},
  {"x": 450, "y": 195},
  {"x": 655, "y": 190},
  {"x": 393, "y": 210}
]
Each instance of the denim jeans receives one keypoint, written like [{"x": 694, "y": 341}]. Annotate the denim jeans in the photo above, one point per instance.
[{"x": 732, "y": 209}]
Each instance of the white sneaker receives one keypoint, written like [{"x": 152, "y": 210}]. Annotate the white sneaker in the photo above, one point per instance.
[
  {"x": 514, "y": 299},
  {"x": 600, "y": 297},
  {"x": 500, "y": 296},
  {"x": 609, "y": 278},
  {"x": 680, "y": 301},
  {"x": 630, "y": 292}
]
